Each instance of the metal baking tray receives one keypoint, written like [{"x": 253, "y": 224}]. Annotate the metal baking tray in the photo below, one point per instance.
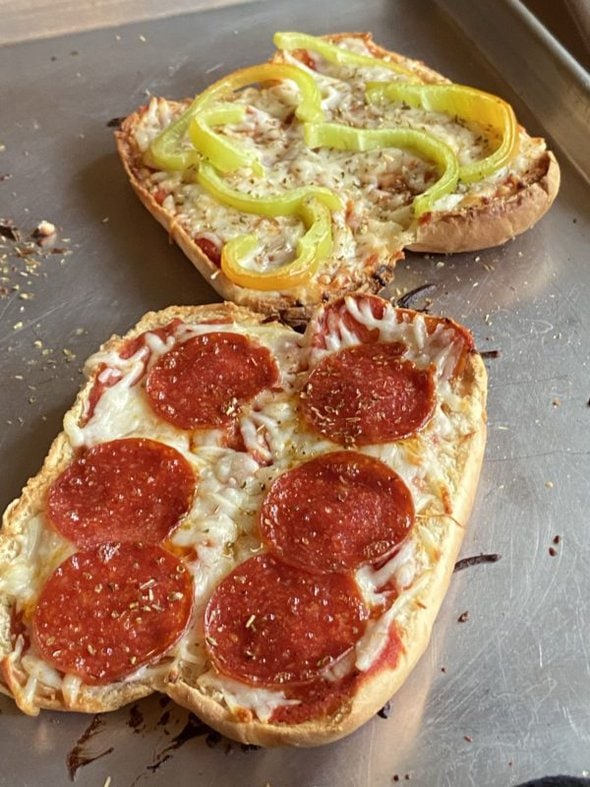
[{"x": 504, "y": 695}]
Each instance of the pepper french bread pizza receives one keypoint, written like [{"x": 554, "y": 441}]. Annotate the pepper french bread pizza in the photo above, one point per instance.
[
  {"x": 261, "y": 524},
  {"x": 304, "y": 178}
]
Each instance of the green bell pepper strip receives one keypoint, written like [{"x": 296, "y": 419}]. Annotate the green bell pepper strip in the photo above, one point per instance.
[
  {"x": 333, "y": 53},
  {"x": 166, "y": 150},
  {"x": 286, "y": 204},
  {"x": 464, "y": 102},
  {"x": 312, "y": 250},
  {"x": 334, "y": 135},
  {"x": 223, "y": 154}
]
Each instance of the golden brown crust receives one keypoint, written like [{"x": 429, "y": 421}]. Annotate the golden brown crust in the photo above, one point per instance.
[
  {"x": 377, "y": 685},
  {"x": 295, "y": 306},
  {"x": 492, "y": 223},
  {"x": 488, "y": 221},
  {"x": 32, "y": 502},
  {"x": 378, "y": 688}
]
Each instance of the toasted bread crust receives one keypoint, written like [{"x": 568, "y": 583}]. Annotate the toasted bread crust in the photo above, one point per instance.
[
  {"x": 377, "y": 685},
  {"x": 297, "y": 305},
  {"x": 488, "y": 221},
  {"x": 492, "y": 224}
]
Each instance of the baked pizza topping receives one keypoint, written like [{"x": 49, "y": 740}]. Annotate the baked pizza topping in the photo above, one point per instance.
[
  {"x": 107, "y": 611},
  {"x": 336, "y": 512},
  {"x": 202, "y": 382},
  {"x": 395, "y": 145},
  {"x": 122, "y": 490},
  {"x": 280, "y": 518},
  {"x": 367, "y": 394},
  {"x": 274, "y": 624}
]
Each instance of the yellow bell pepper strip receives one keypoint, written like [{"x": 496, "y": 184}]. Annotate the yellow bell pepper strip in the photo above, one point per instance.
[
  {"x": 167, "y": 152},
  {"x": 286, "y": 204},
  {"x": 334, "y": 135},
  {"x": 312, "y": 249},
  {"x": 338, "y": 55},
  {"x": 223, "y": 154},
  {"x": 464, "y": 102}
]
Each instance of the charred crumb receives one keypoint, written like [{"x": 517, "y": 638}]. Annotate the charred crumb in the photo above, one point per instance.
[
  {"x": 136, "y": 722},
  {"x": 9, "y": 230},
  {"x": 213, "y": 739},
  {"x": 44, "y": 229},
  {"x": 385, "y": 711},
  {"x": 5, "y": 176},
  {"x": 556, "y": 539},
  {"x": 115, "y": 122},
  {"x": 475, "y": 560},
  {"x": 490, "y": 353},
  {"x": 443, "y": 669},
  {"x": 249, "y": 747},
  {"x": 409, "y": 299},
  {"x": 468, "y": 738},
  {"x": 463, "y": 617},
  {"x": 383, "y": 275},
  {"x": 552, "y": 551}
]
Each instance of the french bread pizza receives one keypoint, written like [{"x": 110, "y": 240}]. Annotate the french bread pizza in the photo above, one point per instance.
[
  {"x": 304, "y": 178},
  {"x": 260, "y": 523}
]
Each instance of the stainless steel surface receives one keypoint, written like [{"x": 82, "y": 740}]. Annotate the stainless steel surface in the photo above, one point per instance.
[
  {"x": 554, "y": 86},
  {"x": 497, "y": 699}
]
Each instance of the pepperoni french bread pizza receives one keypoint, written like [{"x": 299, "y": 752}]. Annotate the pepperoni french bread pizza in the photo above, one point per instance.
[
  {"x": 305, "y": 178},
  {"x": 260, "y": 523}
]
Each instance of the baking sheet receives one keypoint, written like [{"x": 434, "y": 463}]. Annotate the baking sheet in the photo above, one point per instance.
[{"x": 499, "y": 698}]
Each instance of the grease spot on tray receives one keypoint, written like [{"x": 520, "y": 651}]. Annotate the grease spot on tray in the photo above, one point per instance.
[{"x": 81, "y": 754}]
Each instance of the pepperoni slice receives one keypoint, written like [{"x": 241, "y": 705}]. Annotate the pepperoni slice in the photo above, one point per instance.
[
  {"x": 107, "y": 611},
  {"x": 202, "y": 382},
  {"x": 123, "y": 490},
  {"x": 272, "y": 624},
  {"x": 367, "y": 394},
  {"x": 336, "y": 512}
]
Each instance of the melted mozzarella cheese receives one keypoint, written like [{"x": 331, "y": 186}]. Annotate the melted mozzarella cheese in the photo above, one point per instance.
[
  {"x": 222, "y": 526},
  {"x": 376, "y": 186},
  {"x": 237, "y": 695}
]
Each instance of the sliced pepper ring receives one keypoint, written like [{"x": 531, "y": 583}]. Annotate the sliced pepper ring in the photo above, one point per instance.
[
  {"x": 338, "y": 55},
  {"x": 312, "y": 250},
  {"x": 334, "y": 135},
  {"x": 166, "y": 151},
  {"x": 223, "y": 154},
  {"x": 465, "y": 102},
  {"x": 286, "y": 204}
]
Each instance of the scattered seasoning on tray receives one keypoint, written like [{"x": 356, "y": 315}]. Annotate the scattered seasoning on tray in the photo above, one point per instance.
[
  {"x": 410, "y": 298},
  {"x": 475, "y": 560},
  {"x": 468, "y": 738},
  {"x": 463, "y": 617}
]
